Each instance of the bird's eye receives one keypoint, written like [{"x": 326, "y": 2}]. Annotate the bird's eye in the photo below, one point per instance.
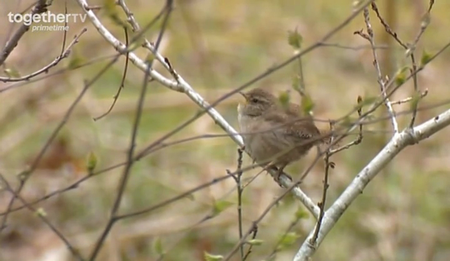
[{"x": 254, "y": 100}]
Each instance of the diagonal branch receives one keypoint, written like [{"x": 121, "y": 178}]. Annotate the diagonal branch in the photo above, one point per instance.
[
  {"x": 398, "y": 142},
  {"x": 63, "y": 55},
  {"x": 180, "y": 85},
  {"x": 40, "y": 7},
  {"x": 371, "y": 38}
]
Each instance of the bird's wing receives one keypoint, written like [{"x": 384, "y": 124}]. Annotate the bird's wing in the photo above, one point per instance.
[{"x": 300, "y": 128}]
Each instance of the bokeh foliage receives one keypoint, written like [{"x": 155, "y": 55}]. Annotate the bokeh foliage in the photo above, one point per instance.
[{"x": 218, "y": 45}]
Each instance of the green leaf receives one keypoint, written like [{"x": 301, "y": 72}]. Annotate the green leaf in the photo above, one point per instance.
[
  {"x": 288, "y": 239},
  {"x": 75, "y": 60},
  {"x": 41, "y": 212},
  {"x": 368, "y": 101},
  {"x": 426, "y": 58},
  {"x": 136, "y": 44},
  {"x": 284, "y": 98},
  {"x": 11, "y": 72},
  {"x": 91, "y": 161},
  {"x": 24, "y": 175},
  {"x": 190, "y": 197},
  {"x": 347, "y": 122},
  {"x": 357, "y": 3},
  {"x": 307, "y": 104},
  {"x": 425, "y": 20},
  {"x": 296, "y": 85},
  {"x": 295, "y": 39},
  {"x": 150, "y": 57},
  {"x": 255, "y": 242},
  {"x": 109, "y": 6},
  {"x": 220, "y": 206},
  {"x": 400, "y": 76},
  {"x": 211, "y": 257},
  {"x": 301, "y": 213},
  {"x": 111, "y": 10},
  {"x": 415, "y": 100},
  {"x": 157, "y": 246}
]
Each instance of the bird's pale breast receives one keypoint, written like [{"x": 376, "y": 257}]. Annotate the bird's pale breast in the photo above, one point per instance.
[{"x": 267, "y": 143}]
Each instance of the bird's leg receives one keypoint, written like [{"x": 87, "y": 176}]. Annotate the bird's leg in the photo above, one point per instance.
[
  {"x": 270, "y": 166},
  {"x": 279, "y": 171},
  {"x": 254, "y": 165},
  {"x": 277, "y": 176}
]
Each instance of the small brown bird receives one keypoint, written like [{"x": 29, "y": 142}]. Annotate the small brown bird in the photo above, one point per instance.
[{"x": 274, "y": 134}]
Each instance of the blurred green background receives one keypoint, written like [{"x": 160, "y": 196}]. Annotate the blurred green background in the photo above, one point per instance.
[{"x": 404, "y": 214}]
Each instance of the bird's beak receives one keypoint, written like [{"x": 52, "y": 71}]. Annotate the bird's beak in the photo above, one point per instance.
[{"x": 244, "y": 95}]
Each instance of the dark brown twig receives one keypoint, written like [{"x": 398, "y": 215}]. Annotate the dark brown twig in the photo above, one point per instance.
[
  {"x": 122, "y": 82},
  {"x": 130, "y": 155},
  {"x": 239, "y": 195},
  {"x": 360, "y": 133},
  {"x": 267, "y": 210},
  {"x": 41, "y": 215},
  {"x": 238, "y": 179},
  {"x": 64, "y": 54},
  {"x": 422, "y": 95},
  {"x": 381, "y": 81},
  {"x": 249, "y": 251},
  {"x": 321, "y": 204},
  {"x": 25, "y": 175},
  {"x": 40, "y": 7},
  {"x": 410, "y": 48}
]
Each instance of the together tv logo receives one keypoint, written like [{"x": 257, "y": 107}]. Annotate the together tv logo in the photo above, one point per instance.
[{"x": 46, "y": 21}]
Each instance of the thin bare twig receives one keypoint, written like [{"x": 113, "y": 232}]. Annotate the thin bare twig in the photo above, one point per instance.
[
  {"x": 135, "y": 27},
  {"x": 25, "y": 175},
  {"x": 396, "y": 145},
  {"x": 175, "y": 198},
  {"x": 164, "y": 145},
  {"x": 399, "y": 142},
  {"x": 371, "y": 38},
  {"x": 58, "y": 72},
  {"x": 122, "y": 82},
  {"x": 239, "y": 188},
  {"x": 40, "y": 7},
  {"x": 42, "y": 216},
  {"x": 410, "y": 48},
  {"x": 360, "y": 133},
  {"x": 181, "y": 85},
  {"x": 130, "y": 155},
  {"x": 130, "y": 16},
  {"x": 422, "y": 95},
  {"x": 321, "y": 204},
  {"x": 239, "y": 195},
  {"x": 64, "y": 54},
  {"x": 237, "y": 178},
  {"x": 424, "y": 24},
  {"x": 354, "y": 48},
  {"x": 267, "y": 210},
  {"x": 249, "y": 251},
  {"x": 276, "y": 247}
]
